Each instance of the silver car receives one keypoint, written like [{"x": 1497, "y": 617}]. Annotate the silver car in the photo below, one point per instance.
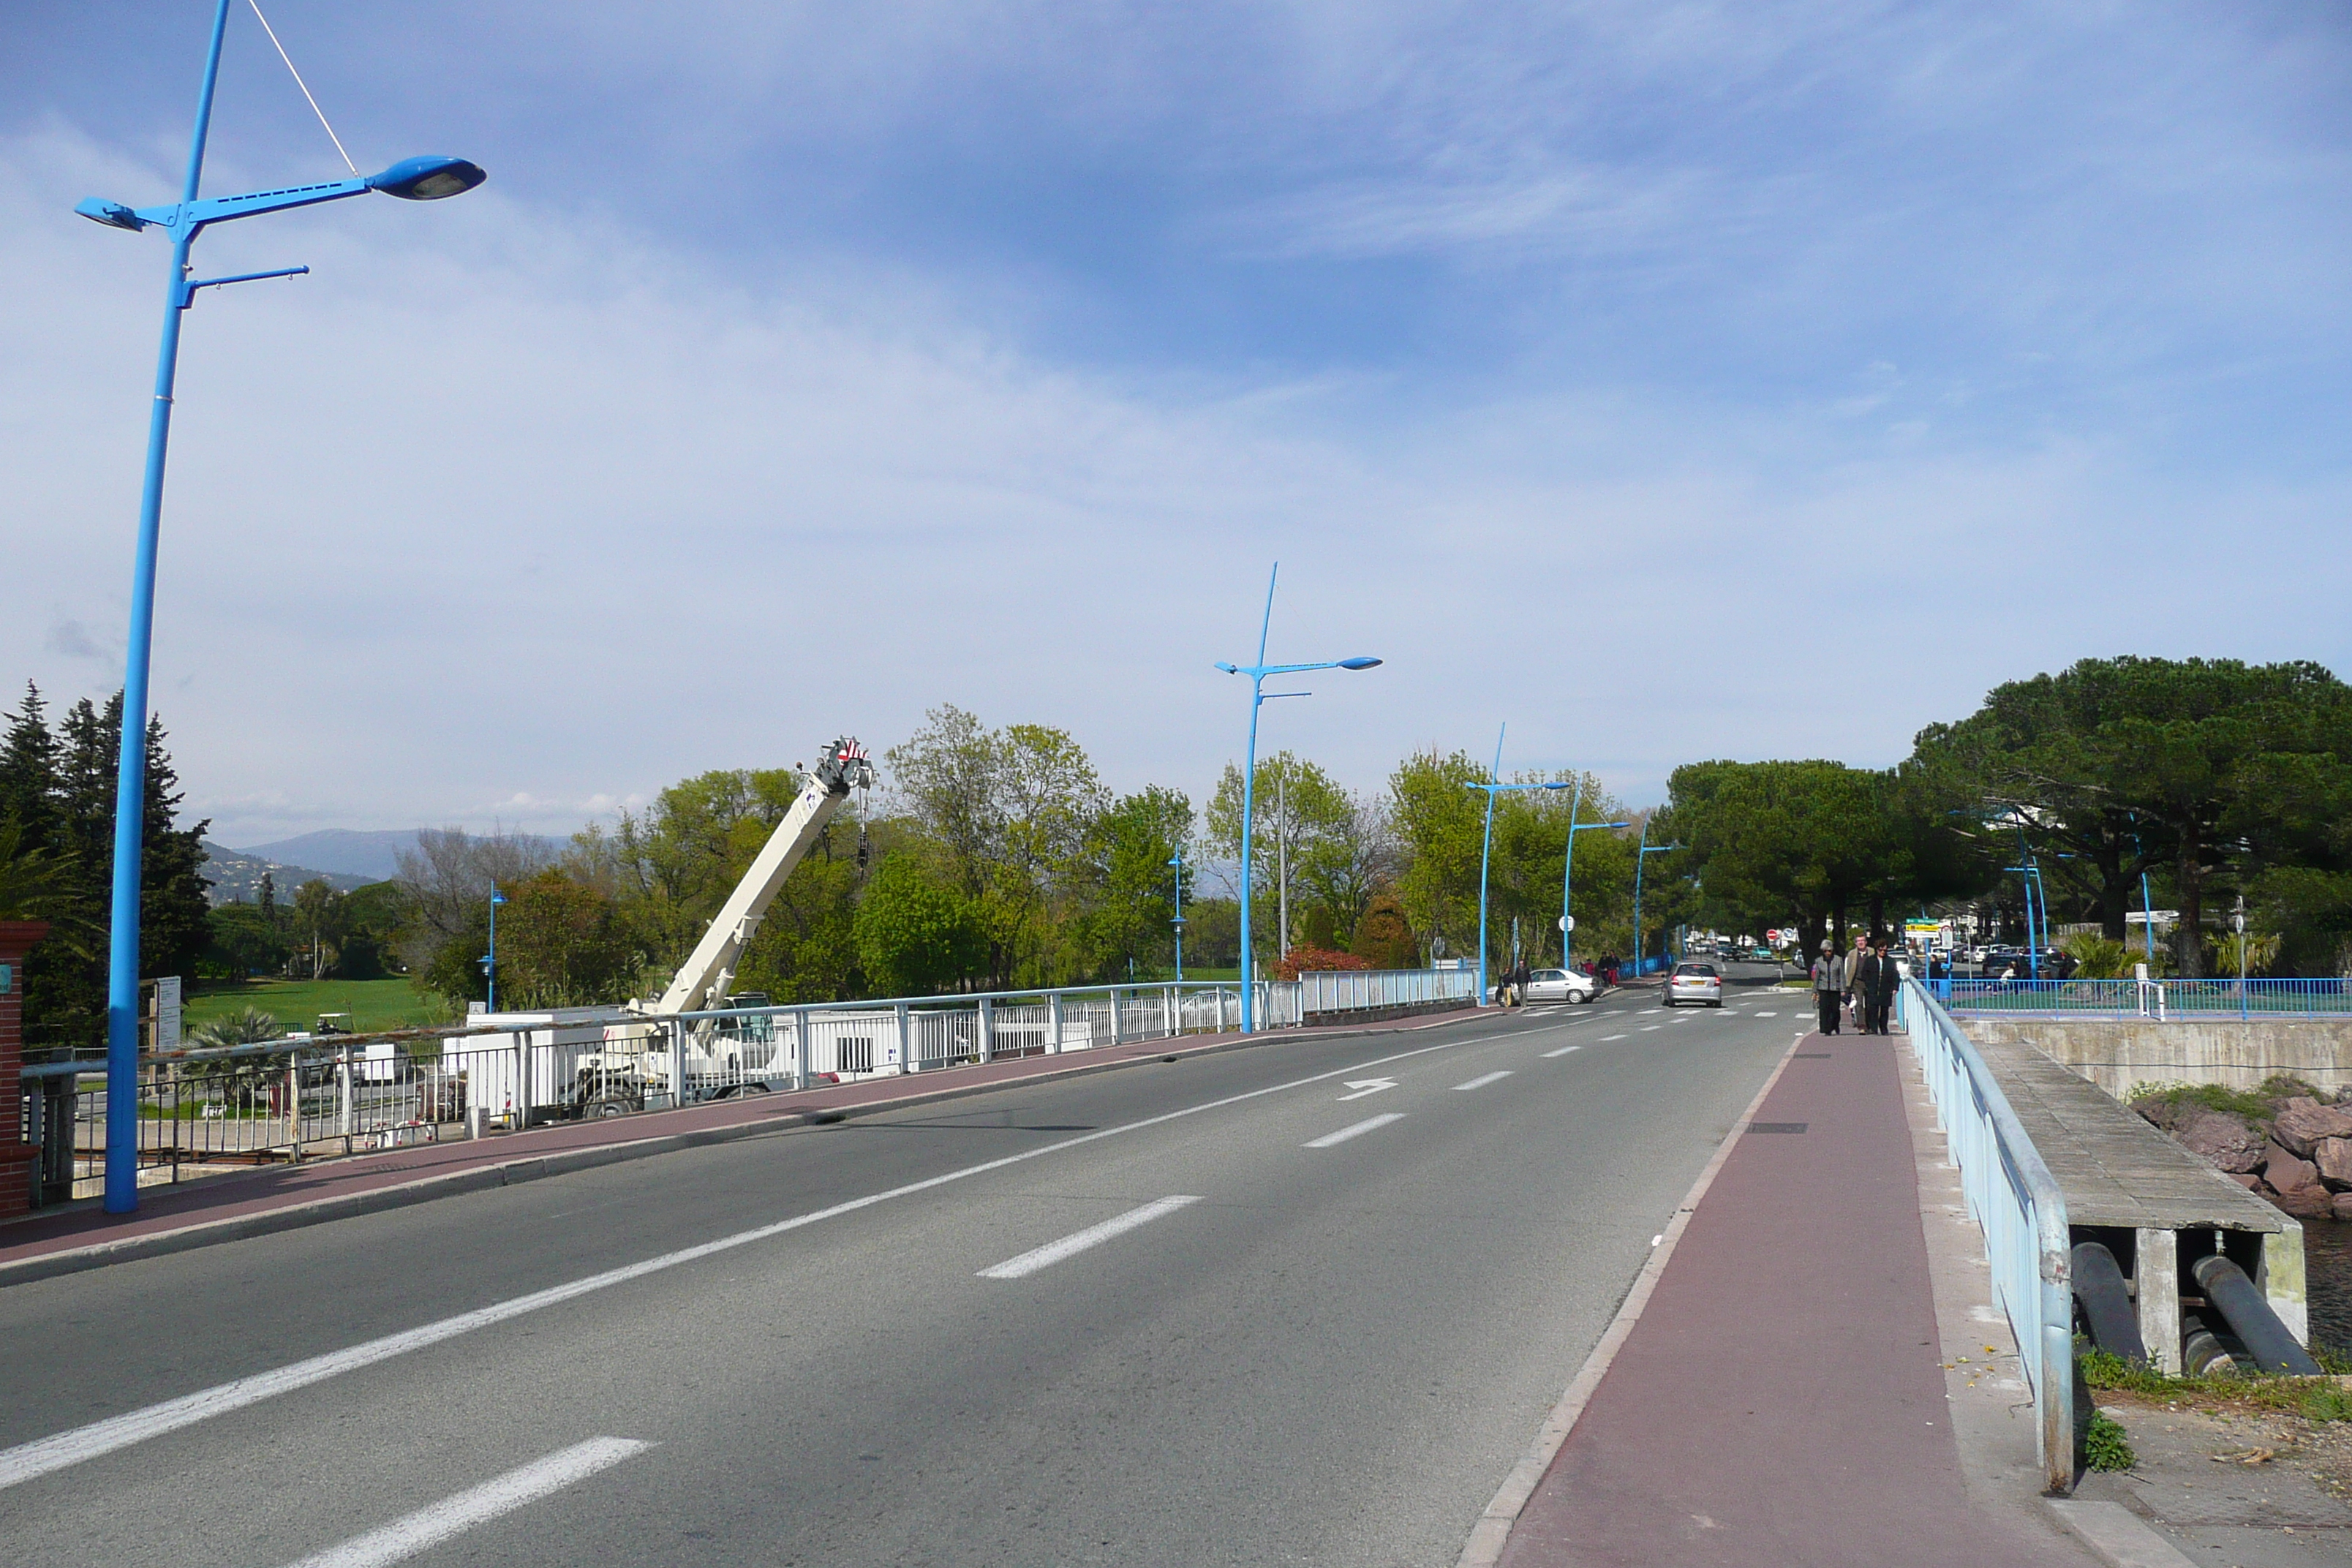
[
  {"x": 1560, "y": 985},
  {"x": 1697, "y": 982}
]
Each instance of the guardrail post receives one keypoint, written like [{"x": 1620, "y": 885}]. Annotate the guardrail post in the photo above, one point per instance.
[
  {"x": 520, "y": 1116},
  {"x": 294, "y": 1103},
  {"x": 987, "y": 1031},
  {"x": 906, "y": 1062},
  {"x": 803, "y": 1066},
  {"x": 344, "y": 1092},
  {"x": 1115, "y": 1038},
  {"x": 1054, "y": 1024}
]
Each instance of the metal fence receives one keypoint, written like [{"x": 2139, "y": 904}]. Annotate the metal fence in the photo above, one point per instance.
[
  {"x": 203, "y": 1112},
  {"x": 2019, "y": 1207},
  {"x": 2162, "y": 1000}
]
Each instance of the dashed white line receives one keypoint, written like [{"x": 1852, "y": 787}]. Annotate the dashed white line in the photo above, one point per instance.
[
  {"x": 1368, "y": 1124},
  {"x": 1561, "y": 1052},
  {"x": 427, "y": 1526},
  {"x": 1482, "y": 1080},
  {"x": 1767, "y": 1015},
  {"x": 1647, "y": 1027},
  {"x": 1606, "y": 1039},
  {"x": 1070, "y": 1245}
]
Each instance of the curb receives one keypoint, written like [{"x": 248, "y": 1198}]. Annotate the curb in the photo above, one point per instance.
[
  {"x": 2119, "y": 1537},
  {"x": 534, "y": 1167},
  {"x": 1493, "y": 1532}
]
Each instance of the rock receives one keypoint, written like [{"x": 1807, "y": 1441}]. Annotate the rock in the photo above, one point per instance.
[
  {"x": 2245, "y": 1180},
  {"x": 2285, "y": 1173},
  {"x": 2313, "y": 1202},
  {"x": 2334, "y": 1158},
  {"x": 2344, "y": 1206},
  {"x": 2305, "y": 1122},
  {"x": 2217, "y": 1136}
]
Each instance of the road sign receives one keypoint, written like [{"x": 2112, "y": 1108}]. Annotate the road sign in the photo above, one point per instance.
[{"x": 1568, "y": 922}]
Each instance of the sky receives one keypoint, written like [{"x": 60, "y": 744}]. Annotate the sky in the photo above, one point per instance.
[{"x": 1670, "y": 381}]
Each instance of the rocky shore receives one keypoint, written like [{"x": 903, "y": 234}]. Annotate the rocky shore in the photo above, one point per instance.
[{"x": 2287, "y": 1141}]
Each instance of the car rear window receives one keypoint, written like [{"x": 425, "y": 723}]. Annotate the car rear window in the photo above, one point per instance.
[{"x": 1701, "y": 971}]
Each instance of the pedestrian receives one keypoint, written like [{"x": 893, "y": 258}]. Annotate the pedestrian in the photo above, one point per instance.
[
  {"x": 1884, "y": 977},
  {"x": 1829, "y": 986},
  {"x": 1854, "y": 958}
]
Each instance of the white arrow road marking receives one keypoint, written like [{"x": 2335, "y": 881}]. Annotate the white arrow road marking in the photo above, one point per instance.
[
  {"x": 1364, "y": 1086},
  {"x": 1482, "y": 1080},
  {"x": 1561, "y": 1052},
  {"x": 1367, "y": 1125},
  {"x": 1070, "y": 1245},
  {"x": 404, "y": 1537}
]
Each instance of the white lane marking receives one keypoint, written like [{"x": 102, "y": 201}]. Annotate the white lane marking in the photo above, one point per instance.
[
  {"x": 404, "y": 1537},
  {"x": 38, "y": 1457},
  {"x": 1364, "y": 1086},
  {"x": 1606, "y": 1039},
  {"x": 1070, "y": 1245},
  {"x": 1648, "y": 1028},
  {"x": 1482, "y": 1080},
  {"x": 1561, "y": 1052},
  {"x": 1767, "y": 1015},
  {"x": 1368, "y": 1124}
]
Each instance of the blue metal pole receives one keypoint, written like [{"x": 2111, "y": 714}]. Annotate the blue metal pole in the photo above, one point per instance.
[
  {"x": 2148, "y": 917},
  {"x": 1486, "y": 858},
  {"x": 1249, "y": 795},
  {"x": 490, "y": 966},
  {"x": 1641, "y": 859},
  {"x": 1568, "y": 870},
  {"x": 131, "y": 774},
  {"x": 1178, "y": 861}
]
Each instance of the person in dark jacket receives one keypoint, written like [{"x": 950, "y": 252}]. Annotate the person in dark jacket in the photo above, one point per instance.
[{"x": 1882, "y": 979}]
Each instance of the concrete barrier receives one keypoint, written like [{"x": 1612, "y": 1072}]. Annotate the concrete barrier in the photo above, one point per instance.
[{"x": 2121, "y": 1054}]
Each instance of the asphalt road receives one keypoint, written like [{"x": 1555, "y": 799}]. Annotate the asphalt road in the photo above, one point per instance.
[{"x": 1256, "y": 1342}]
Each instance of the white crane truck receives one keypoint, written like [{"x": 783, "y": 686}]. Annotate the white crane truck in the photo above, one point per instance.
[{"x": 711, "y": 1057}]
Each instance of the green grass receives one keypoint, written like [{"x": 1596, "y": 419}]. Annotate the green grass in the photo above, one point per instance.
[
  {"x": 2313, "y": 1398},
  {"x": 296, "y": 1003},
  {"x": 2255, "y": 1104},
  {"x": 2105, "y": 1447}
]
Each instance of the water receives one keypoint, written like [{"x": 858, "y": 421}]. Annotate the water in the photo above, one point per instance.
[{"x": 2327, "y": 1262}]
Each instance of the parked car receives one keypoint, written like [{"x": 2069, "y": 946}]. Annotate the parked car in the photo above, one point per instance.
[
  {"x": 1697, "y": 982},
  {"x": 1560, "y": 985}
]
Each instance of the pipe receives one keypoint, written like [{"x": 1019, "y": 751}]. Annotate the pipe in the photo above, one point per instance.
[
  {"x": 2202, "y": 1355},
  {"x": 2232, "y": 1295},
  {"x": 2106, "y": 1305}
]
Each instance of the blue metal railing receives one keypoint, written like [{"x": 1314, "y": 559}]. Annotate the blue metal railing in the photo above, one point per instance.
[
  {"x": 2022, "y": 1211},
  {"x": 2162, "y": 1000}
]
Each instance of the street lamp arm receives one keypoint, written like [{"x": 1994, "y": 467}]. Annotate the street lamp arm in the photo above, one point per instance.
[{"x": 412, "y": 179}]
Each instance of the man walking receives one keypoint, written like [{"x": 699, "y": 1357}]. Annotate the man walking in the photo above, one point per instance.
[
  {"x": 1853, "y": 965},
  {"x": 1829, "y": 986}
]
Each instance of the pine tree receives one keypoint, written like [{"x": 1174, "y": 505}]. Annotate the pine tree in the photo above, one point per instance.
[
  {"x": 172, "y": 902},
  {"x": 28, "y": 774}
]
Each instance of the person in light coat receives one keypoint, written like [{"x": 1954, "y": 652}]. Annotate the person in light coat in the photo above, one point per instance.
[{"x": 1829, "y": 986}]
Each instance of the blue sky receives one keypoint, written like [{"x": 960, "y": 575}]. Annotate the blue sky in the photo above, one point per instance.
[{"x": 1671, "y": 380}]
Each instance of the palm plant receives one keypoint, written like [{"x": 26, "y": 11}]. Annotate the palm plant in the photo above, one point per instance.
[
  {"x": 2096, "y": 957},
  {"x": 246, "y": 1026},
  {"x": 2258, "y": 950}
]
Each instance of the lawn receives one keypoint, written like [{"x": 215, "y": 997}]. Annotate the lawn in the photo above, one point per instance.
[{"x": 297, "y": 1003}]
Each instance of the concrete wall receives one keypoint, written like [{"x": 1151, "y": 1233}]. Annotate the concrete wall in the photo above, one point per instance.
[{"x": 2118, "y": 1055}]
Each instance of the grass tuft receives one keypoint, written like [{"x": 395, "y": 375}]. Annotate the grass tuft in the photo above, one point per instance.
[{"x": 2105, "y": 1447}]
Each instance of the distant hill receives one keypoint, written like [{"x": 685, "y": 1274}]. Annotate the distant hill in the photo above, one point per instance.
[
  {"x": 343, "y": 850},
  {"x": 236, "y": 877}
]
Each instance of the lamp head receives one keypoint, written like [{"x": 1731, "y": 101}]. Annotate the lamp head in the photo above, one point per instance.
[
  {"x": 497, "y": 897},
  {"x": 1230, "y": 668},
  {"x": 113, "y": 214},
  {"x": 428, "y": 179},
  {"x": 1359, "y": 662}
]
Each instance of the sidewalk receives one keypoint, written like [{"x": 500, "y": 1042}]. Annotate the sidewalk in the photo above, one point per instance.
[
  {"x": 213, "y": 1209},
  {"x": 1781, "y": 1397}
]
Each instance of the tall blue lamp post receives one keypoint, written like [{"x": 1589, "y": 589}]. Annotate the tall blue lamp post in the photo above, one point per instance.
[
  {"x": 1641, "y": 859},
  {"x": 1568, "y": 865},
  {"x": 1493, "y": 786},
  {"x": 490, "y": 959},
  {"x": 1259, "y": 696},
  {"x": 1176, "y": 860},
  {"x": 414, "y": 179}
]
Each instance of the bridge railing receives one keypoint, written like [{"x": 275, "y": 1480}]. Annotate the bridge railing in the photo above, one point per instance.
[
  {"x": 2022, "y": 1211},
  {"x": 204, "y": 1111},
  {"x": 2163, "y": 1000}
]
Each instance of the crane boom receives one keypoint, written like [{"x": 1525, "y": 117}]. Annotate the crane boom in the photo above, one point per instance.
[{"x": 843, "y": 767}]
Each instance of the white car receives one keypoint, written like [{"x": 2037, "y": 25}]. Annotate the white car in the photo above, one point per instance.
[
  {"x": 1560, "y": 985},
  {"x": 1692, "y": 983}
]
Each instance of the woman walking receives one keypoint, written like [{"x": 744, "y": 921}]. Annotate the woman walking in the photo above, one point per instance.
[{"x": 1829, "y": 986}]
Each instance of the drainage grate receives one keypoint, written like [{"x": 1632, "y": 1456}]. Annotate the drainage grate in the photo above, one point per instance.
[
  {"x": 1775, "y": 1127},
  {"x": 1812, "y": 1055}
]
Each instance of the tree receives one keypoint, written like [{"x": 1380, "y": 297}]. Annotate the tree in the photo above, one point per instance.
[
  {"x": 562, "y": 944},
  {"x": 918, "y": 935},
  {"x": 1383, "y": 939},
  {"x": 447, "y": 880},
  {"x": 1339, "y": 846},
  {"x": 244, "y": 941},
  {"x": 1126, "y": 920}
]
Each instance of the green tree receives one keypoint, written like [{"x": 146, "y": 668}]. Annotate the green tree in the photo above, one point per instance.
[
  {"x": 244, "y": 941},
  {"x": 918, "y": 935},
  {"x": 1340, "y": 849},
  {"x": 562, "y": 944},
  {"x": 1126, "y": 919}
]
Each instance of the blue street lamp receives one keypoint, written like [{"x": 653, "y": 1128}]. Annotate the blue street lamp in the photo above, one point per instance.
[
  {"x": 490, "y": 959},
  {"x": 1493, "y": 786},
  {"x": 1259, "y": 696},
  {"x": 1176, "y": 860},
  {"x": 1568, "y": 865},
  {"x": 1641, "y": 859},
  {"x": 414, "y": 179}
]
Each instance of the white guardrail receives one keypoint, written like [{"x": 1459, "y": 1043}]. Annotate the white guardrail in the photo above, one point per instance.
[{"x": 2022, "y": 1212}]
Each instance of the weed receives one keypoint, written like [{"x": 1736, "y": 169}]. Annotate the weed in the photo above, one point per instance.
[
  {"x": 2326, "y": 1402},
  {"x": 2105, "y": 1447}
]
